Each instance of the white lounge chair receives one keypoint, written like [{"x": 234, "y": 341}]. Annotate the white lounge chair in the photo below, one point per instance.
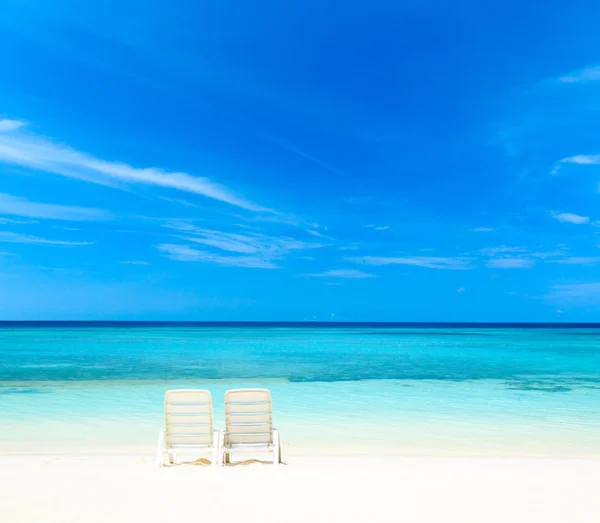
[
  {"x": 249, "y": 424},
  {"x": 188, "y": 426}
]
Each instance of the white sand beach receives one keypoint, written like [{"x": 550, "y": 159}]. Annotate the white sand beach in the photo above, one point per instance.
[{"x": 78, "y": 489}]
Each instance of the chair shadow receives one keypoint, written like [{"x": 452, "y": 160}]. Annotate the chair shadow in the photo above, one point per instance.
[{"x": 205, "y": 462}]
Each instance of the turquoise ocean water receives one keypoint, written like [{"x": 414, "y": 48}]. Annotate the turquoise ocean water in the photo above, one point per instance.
[{"x": 360, "y": 388}]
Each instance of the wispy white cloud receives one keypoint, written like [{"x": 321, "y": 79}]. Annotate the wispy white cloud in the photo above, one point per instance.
[
  {"x": 275, "y": 217},
  {"x": 12, "y": 237},
  {"x": 482, "y": 229},
  {"x": 7, "y": 125},
  {"x": 430, "y": 262},
  {"x": 225, "y": 242},
  {"x": 351, "y": 274},
  {"x": 585, "y": 75},
  {"x": 498, "y": 257},
  {"x": 510, "y": 257},
  {"x": 583, "y": 159},
  {"x": 377, "y": 227},
  {"x": 246, "y": 243},
  {"x": 4, "y": 221},
  {"x": 567, "y": 217},
  {"x": 134, "y": 263},
  {"x": 258, "y": 250},
  {"x": 577, "y": 260},
  {"x": 501, "y": 249},
  {"x": 17, "y": 206},
  {"x": 26, "y": 149},
  {"x": 511, "y": 263},
  {"x": 461, "y": 290},
  {"x": 319, "y": 234},
  {"x": 189, "y": 254},
  {"x": 579, "y": 159},
  {"x": 548, "y": 255},
  {"x": 522, "y": 251}
]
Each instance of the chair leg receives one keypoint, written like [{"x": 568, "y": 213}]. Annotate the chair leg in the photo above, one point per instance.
[
  {"x": 224, "y": 456},
  {"x": 276, "y": 448},
  {"x": 160, "y": 448},
  {"x": 216, "y": 451}
]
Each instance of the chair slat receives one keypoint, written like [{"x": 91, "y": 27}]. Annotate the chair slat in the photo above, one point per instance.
[
  {"x": 187, "y": 418},
  {"x": 259, "y": 417},
  {"x": 188, "y": 409},
  {"x": 260, "y": 428},
  {"x": 198, "y": 440},
  {"x": 247, "y": 395},
  {"x": 236, "y": 439},
  {"x": 188, "y": 429}
]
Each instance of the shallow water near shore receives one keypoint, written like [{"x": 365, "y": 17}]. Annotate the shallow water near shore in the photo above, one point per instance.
[{"x": 358, "y": 390}]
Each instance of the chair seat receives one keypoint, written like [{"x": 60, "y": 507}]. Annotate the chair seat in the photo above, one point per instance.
[
  {"x": 250, "y": 446},
  {"x": 183, "y": 446}
]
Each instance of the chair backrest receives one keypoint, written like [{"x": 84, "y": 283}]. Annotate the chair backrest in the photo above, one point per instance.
[
  {"x": 248, "y": 417},
  {"x": 188, "y": 417}
]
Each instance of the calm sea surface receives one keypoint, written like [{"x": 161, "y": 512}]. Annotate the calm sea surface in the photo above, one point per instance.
[{"x": 360, "y": 388}]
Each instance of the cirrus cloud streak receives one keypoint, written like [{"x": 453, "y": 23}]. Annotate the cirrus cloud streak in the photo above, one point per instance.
[
  {"x": 430, "y": 262},
  {"x": 26, "y": 149}
]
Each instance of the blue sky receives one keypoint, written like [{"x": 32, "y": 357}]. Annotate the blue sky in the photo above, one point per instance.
[{"x": 392, "y": 161}]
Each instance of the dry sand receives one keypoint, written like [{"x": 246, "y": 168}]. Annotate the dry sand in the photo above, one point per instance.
[{"x": 354, "y": 489}]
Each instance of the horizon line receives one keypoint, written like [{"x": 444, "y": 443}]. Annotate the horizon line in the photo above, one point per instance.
[{"x": 305, "y": 323}]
